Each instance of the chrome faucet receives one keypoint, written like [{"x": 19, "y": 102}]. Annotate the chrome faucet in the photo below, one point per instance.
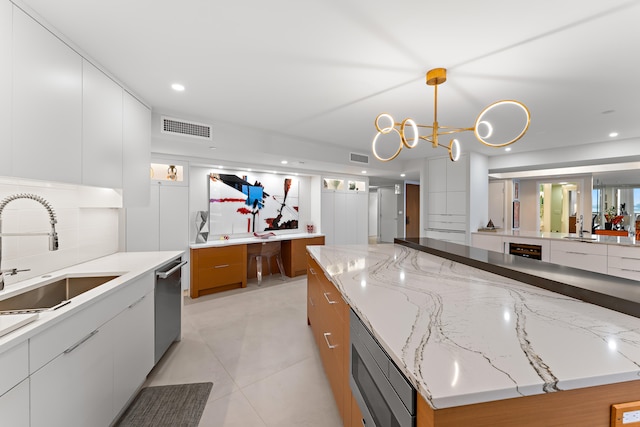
[{"x": 53, "y": 236}]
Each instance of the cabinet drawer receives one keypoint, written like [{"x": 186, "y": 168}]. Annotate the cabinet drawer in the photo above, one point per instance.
[
  {"x": 220, "y": 256},
  {"x": 14, "y": 366},
  {"x": 448, "y": 236},
  {"x": 632, "y": 273},
  {"x": 581, "y": 260},
  {"x": 219, "y": 275},
  {"x": 578, "y": 247},
  {"x": 51, "y": 342},
  {"x": 623, "y": 251}
]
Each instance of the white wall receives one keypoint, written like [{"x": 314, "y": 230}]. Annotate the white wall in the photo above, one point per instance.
[{"x": 88, "y": 226}]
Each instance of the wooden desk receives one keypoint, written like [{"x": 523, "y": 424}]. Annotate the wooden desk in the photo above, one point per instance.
[{"x": 223, "y": 266}]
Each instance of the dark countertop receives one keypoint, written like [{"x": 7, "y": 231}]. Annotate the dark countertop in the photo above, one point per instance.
[{"x": 615, "y": 293}]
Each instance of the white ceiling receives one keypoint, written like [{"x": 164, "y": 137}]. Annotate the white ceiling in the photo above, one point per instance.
[{"x": 319, "y": 72}]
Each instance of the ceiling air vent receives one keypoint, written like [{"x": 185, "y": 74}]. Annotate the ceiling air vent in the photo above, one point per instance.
[
  {"x": 359, "y": 158},
  {"x": 184, "y": 128}
]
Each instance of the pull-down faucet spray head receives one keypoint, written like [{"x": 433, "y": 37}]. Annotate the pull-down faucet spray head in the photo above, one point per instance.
[{"x": 53, "y": 235}]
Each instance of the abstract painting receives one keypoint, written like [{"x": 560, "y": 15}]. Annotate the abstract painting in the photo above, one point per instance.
[{"x": 239, "y": 203}]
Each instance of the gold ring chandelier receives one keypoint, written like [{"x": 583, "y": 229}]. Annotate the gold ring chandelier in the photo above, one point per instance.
[{"x": 482, "y": 129}]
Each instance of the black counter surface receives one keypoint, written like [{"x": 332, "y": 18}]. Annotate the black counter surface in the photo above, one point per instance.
[{"x": 615, "y": 293}]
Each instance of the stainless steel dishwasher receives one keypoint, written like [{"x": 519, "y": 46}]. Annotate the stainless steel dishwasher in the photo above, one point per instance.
[{"x": 168, "y": 306}]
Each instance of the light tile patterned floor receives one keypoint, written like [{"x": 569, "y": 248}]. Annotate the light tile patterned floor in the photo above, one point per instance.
[{"x": 255, "y": 346}]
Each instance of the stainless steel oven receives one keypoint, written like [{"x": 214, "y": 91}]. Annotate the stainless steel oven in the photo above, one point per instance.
[{"x": 385, "y": 397}]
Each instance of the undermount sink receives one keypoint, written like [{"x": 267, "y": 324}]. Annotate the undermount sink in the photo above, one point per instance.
[{"x": 52, "y": 295}]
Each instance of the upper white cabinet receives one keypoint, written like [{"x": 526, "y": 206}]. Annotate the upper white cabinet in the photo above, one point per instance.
[
  {"x": 47, "y": 104},
  {"x": 454, "y": 192},
  {"x": 101, "y": 129},
  {"x": 136, "y": 152},
  {"x": 5, "y": 87},
  {"x": 343, "y": 206}
]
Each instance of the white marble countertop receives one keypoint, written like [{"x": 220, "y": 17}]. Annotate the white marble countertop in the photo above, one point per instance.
[
  {"x": 595, "y": 238},
  {"x": 464, "y": 336},
  {"x": 126, "y": 265},
  {"x": 253, "y": 239}
]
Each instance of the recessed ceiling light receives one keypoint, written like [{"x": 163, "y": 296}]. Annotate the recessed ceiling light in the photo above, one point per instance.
[
  {"x": 364, "y": 171},
  {"x": 507, "y": 149},
  {"x": 284, "y": 162},
  {"x": 403, "y": 175},
  {"x": 177, "y": 87},
  {"x": 248, "y": 169},
  {"x": 613, "y": 134}
]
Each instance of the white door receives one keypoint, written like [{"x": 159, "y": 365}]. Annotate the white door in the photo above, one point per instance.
[
  {"x": 496, "y": 203},
  {"x": 388, "y": 208}
]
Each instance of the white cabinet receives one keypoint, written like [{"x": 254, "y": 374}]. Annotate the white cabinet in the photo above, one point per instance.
[
  {"x": 85, "y": 368},
  {"x": 488, "y": 241},
  {"x": 101, "y": 129},
  {"x": 47, "y": 104},
  {"x": 133, "y": 349},
  {"x": 5, "y": 87},
  {"x": 76, "y": 388},
  {"x": 344, "y": 212},
  {"x": 586, "y": 256},
  {"x": 163, "y": 224},
  {"x": 136, "y": 154},
  {"x": 14, "y": 406},
  {"x": 624, "y": 261}
]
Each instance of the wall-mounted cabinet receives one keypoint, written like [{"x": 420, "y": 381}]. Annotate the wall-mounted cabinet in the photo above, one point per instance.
[
  {"x": 101, "y": 129},
  {"x": 136, "y": 154},
  {"x": 47, "y": 104},
  {"x": 5, "y": 86},
  {"x": 62, "y": 119}
]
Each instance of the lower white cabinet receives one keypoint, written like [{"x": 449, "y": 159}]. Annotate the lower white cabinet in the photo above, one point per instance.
[
  {"x": 14, "y": 406},
  {"x": 88, "y": 381},
  {"x": 585, "y": 256},
  {"x": 76, "y": 388},
  {"x": 133, "y": 349}
]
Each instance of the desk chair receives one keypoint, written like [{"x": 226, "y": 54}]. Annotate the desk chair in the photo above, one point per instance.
[{"x": 268, "y": 250}]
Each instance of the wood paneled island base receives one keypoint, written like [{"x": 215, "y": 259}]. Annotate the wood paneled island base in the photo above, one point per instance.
[{"x": 585, "y": 407}]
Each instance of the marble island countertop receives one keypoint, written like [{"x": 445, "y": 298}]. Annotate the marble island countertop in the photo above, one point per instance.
[
  {"x": 588, "y": 237},
  {"x": 463, "y": 335}
]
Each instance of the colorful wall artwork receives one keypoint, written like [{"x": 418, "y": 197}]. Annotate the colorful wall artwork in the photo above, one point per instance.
[{"x": 242, "y": 203}]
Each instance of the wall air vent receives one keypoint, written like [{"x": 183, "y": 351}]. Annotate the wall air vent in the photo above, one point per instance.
[
  {"x": 359, "y": 158},
  {"x": 184, "y": 128}
]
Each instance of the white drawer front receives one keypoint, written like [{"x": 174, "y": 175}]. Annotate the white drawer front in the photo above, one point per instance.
[
  {"x": 448, "y": 236},
  {"x": 579, "y": 247},
  {"x": 624, "y": 251},
  {"x": 626, "y": 273},
  {"x": 14, "y": 366},
  {"x": 581, "y": 260}
]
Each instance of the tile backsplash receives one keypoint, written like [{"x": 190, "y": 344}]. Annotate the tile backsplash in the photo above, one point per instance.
[{"x": 87, "y": 227}]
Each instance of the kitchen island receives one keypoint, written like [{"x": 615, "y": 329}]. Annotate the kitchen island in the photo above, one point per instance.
[{"x": 486, "y": 350}]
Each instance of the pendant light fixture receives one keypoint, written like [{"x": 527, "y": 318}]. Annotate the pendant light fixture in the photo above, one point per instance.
[{"x": 510, "y": 113}]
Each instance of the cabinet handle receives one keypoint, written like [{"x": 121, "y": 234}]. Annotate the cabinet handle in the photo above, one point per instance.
[
  {"x": 312, "y": 271},
  {"x": 327, "y": 298},
  {"x": 137, "y": 302},
  {"x": 221, "y": 266},
  {"x": 311, "y": 301},
  {"x": 326, "y": 334},
  {"x": 629, "y": 269},
  {"x": 79, "y": 343},
  {"x": 577, "y": 253}
]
